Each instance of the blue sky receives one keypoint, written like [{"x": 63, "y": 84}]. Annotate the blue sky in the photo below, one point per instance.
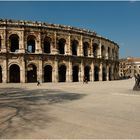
[{"x": 118, "y": 21}]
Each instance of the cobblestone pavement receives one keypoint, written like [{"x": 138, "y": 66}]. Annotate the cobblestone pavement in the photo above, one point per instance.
[{"x": 108, "y": 109}]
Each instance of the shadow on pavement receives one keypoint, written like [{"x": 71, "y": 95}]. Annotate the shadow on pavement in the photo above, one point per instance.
[{"x": 22, "y": 110}]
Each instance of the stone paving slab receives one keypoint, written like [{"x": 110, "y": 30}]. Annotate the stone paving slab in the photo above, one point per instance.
[{"x": 98, "y": 110}]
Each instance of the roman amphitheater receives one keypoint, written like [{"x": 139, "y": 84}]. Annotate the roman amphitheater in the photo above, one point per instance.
[{"x": 31, "y": 51}]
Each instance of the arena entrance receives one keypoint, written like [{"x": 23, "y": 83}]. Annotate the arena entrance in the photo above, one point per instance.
[
  {"x": 62, "y": 73},
  {"x": 0, "y": 74},
  {"x": 75, "y": 72},
  {"x": 48, "y": 73},
  {"x": 87, "y": 73},
  {"x": 104, "y": 74},
  {"x": 96, "y": 73},
  {"x": 14, "y": 74},
  {"x": 31, "y": 73}
]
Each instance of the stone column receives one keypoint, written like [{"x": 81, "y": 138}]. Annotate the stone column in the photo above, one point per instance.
[
  {"x": 38, "y": 44},
  {"x": 22, "y": 72},
  {"x": 112, "y": 72},
  {"x": 69, "y": 72},
  {"x": 99, "y": 50},
  {"x": 92, "y": 72},
  {"x": 81, "y": 72},
  {"x": 81, "y": 46},
  {"x": 5, "y": 71},
  {"x": 100, "y": 72},
  {"x": 68, "y": 46},
  {"x": 55, "y": 71},
  {"x": 4, "y": 41},
  {"x": 39, "y": 71},
  {"x": 54, "y": 44},
  {"x": 91, "y": 49},
  {"x": 106, "y": 52},
  {"x": 22, "y": 43},
  {"x": 107, "y": 72}
]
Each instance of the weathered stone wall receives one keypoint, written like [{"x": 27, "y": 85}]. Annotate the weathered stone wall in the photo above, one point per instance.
[{"x": 78, "y": 58}]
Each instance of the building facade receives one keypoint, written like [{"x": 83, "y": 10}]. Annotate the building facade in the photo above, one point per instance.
[
  {"x": 129, "y": 66},
  {"x": 31, "y": 51}
]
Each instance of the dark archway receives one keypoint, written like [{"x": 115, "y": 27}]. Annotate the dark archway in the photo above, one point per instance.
[
  {"x": 95, "y": 49},
  {"x": 87, "y": 72},
  {"x": 85, "y": 48},
  {"x": 61, "y": 46},
  {"x": 48, "y": 73},
  {"x": 96, "y": 73},
  {"x": 14, "y": 73},
  {"x": 14, "y": 43},
  {"x": 75, "y": 72},
  {"x": 103, "y": 74},
  {"x": 0, "y": 74},
  {"x": 62, "y": 73},
  {"x": 74, "y": 47},
  {"x": 31, "y": 44},
  {"x": 31, "y": 73},
  {"x": 47, "y": 45},
  {"x": 110, "y": 73}
]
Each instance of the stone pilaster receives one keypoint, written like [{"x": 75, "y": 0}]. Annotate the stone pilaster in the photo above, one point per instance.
[
  {"x": 107, "y": 72},
  {"x": 92, "y": 72},
  {"x": 99, "y": 50},
  {"x": 100, "y": 72},
  {"x": 5, "y": 72},
  {"x": 55, "y": 71},
  {"x": 39, "y": 71},
  {"x": 69, "y": 72},
  {"x": 54, "y": 44},
  {"x": 81, "y": 46},
  {"x": 68, "y": 46},
  {"x": 4, "y": 41},
  {"x": 91, "y": 48},
  {"x": 38, "y": 44},
  {"x": 81, "y": 72},
  {"x": 22, "y": 72}
]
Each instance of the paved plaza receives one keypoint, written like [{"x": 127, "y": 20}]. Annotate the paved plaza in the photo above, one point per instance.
[{"x": 108, "y": 109}]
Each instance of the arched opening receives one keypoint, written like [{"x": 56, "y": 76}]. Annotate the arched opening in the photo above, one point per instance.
[
  {"x": 14, "y": 73},
  {"x": 31, "y": 73},
  {"x": 48, "y": 73},
  {"x": 75, "y": 72},
  {"x": 47, "y": 45},
  {"x": 61, "y": 46},
  {"x": 14, "y": 43},
  {"x": 0, "y": 74},
  {"x": 104, "y": 74},
  {"x": 62, "y": 73},
  {"x": 74, "y": 47},
  {"x": 85, "y": 48},
  {"x": 87, "y": 72},
  {"x": 96, "y": 73},
  {"x": 31, "y": 44},
  {"x": 110, "y": 73},
  {"x": 95, "y": 49},
  {"x": 103, "y": 52}
]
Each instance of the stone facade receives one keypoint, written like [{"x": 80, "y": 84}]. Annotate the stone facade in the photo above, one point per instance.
[
  {"x": 129, "y": 66},
  {"x": 31, "y": 51}
]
